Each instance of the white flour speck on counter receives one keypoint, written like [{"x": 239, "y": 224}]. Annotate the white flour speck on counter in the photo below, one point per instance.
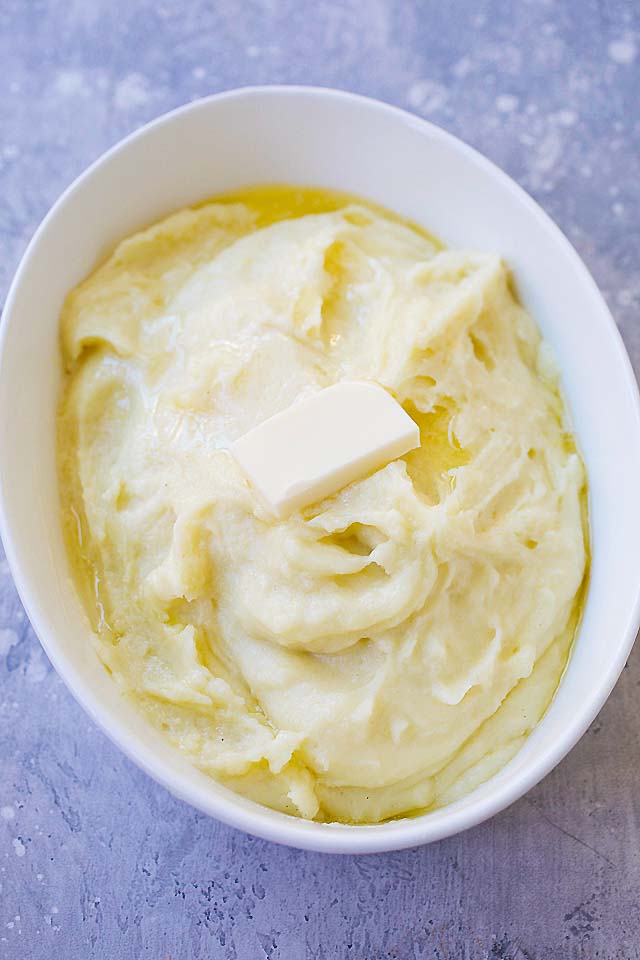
[
  {"x": 19, "y": 847},
  {"x": 623, "y": 51}
]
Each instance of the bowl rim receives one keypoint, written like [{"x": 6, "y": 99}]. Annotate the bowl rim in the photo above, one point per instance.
[{"x": 249, "y": 816}]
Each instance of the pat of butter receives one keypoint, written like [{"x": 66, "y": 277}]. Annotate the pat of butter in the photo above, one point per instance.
[{"x": 321, "y": 444}]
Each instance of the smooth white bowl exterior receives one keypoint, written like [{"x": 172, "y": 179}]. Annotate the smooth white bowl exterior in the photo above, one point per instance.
[{"x": 330, "y": 139}]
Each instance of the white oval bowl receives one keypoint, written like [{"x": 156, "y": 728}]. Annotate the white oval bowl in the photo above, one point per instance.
[{"x": 332, "y": 139}]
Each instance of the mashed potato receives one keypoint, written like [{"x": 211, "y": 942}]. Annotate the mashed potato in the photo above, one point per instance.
[{"x": 386, "y": 650}]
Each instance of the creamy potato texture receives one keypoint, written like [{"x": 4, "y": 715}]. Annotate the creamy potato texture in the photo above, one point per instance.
[{"x": 385, "y": 650}]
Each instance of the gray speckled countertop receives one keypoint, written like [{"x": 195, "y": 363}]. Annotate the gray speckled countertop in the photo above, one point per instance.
[{"x": 95, "y": 859}]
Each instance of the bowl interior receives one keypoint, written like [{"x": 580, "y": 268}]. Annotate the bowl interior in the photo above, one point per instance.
[{"x": 323, "y": 138}]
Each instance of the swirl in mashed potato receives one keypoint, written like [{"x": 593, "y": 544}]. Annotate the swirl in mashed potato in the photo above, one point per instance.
[{"x": 389, "y": 648}]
